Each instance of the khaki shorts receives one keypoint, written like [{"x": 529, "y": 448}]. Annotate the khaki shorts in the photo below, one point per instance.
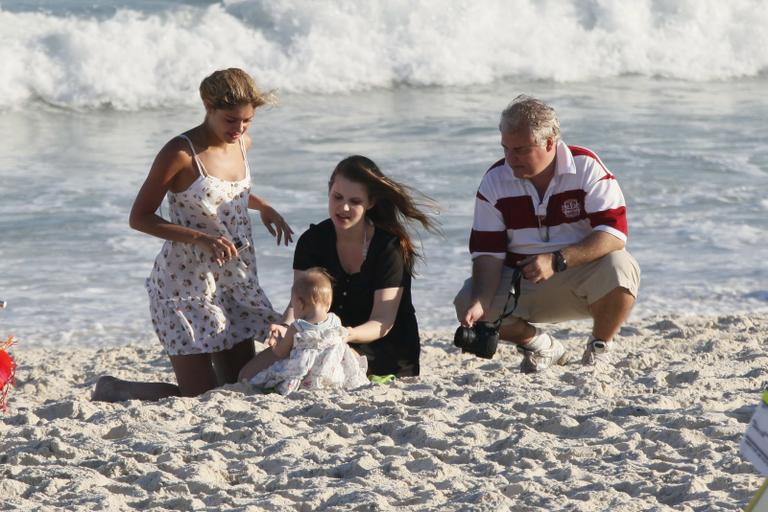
[{"x": 564, "y": 296}]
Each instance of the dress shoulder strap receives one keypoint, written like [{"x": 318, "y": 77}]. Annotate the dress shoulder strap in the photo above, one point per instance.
[
  {"x": 200, "y": 166},
  {"x": 245, "y": 159}
]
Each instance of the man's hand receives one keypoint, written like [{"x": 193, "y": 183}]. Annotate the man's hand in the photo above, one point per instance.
[
  {"x": 538, "y": 267},
  {"x": 473, "y": 314}
]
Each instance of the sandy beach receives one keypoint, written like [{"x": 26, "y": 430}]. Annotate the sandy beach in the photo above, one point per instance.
[
  {"x": 659, "y": 430},
  {"x": 670, "y": 95}
]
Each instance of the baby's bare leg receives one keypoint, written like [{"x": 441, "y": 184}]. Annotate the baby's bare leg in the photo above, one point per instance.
[{"x": 260, "y": 361}]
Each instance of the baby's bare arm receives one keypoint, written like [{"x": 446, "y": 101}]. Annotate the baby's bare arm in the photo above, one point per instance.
[
  {"x": 279, "y": 348},
  {"x": 282, "y": 346}
]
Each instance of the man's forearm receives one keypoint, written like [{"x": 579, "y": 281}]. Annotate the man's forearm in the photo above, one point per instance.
[
  {"x": 596, "y": 245},
  {"x": 486, "y": 275}
]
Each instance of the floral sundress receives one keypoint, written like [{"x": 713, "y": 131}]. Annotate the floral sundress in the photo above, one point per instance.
[{"x": 196, "y": 305}]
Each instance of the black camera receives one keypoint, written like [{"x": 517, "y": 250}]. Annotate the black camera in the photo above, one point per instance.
[
  {"x": 241, "y": 244},
  {"x": 480, "y": 339}
]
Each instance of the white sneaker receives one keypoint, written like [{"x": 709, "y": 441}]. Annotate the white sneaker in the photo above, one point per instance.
[
  {"x": 537, "y": 360},
  {"x": 596, "y": 351}
]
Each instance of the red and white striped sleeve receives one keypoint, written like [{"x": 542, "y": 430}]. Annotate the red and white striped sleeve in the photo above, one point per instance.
[
  {"x": 604, "y": 201},
  {"x": 489, "y": 234}
]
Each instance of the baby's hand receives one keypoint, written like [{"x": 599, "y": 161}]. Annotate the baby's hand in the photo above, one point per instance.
[
  {"x": 281, "y": 340},
  {"x": 277, "y": 331},
  {"x": 276, "y": 335}
]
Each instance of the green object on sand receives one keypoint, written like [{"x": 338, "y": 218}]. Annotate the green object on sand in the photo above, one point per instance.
[{"x": 381, "y": 379}]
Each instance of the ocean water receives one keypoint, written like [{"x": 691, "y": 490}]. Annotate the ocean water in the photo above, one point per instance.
[{"x": 670, "y": 94}]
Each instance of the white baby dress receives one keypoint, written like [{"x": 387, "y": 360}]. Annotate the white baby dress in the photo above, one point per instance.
[{"x": 320, "y": 358}]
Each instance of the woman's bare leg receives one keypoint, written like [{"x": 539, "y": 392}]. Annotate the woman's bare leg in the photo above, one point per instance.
[
  {"x": 228, "y": 363},
  {"x": 194, "y": 373},
  {"x": 112, "y": 389}
]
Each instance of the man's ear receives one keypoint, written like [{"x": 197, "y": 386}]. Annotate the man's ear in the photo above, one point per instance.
[{"x": 550, "y": 143}]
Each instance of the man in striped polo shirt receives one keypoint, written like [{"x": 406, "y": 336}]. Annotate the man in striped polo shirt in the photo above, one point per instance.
[{"x": 558, "y": 214}]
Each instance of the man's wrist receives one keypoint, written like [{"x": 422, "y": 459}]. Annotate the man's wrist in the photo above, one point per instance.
[
  {"x": 480, "y": 301},
  {"x": 559, "y": 263}
]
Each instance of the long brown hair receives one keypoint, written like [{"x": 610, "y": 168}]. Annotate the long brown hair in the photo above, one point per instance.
[{"x": 395, "y": 206}]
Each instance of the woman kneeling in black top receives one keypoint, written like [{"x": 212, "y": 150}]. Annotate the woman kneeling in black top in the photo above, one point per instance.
[{"x": 366, "y": 248}]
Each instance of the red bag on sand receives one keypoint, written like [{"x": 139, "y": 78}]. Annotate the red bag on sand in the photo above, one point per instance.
[{"x": 7, "y": 371}]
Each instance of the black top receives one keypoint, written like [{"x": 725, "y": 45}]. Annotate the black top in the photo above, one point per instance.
[{"x": 384, "y": 267}]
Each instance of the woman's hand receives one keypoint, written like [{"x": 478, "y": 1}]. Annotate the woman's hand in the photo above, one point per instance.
[
  {"x": 276, "y": 225},
  {"x": 220, "y": 247}
]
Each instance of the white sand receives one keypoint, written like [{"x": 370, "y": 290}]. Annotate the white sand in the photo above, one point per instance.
[{"x": 657, "y": 431}]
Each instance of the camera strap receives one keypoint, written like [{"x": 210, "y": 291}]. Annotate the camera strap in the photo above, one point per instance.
[{"x": 514, "y": 291}]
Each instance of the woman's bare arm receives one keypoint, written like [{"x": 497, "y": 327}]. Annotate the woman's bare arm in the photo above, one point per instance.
[
  {"x": 385, "y": 305},
  {"x": 171, "y": 160}
]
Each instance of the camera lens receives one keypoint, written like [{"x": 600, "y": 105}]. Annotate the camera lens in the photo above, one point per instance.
[
  {"x": 486, "y": 340},
  {"x": 464, "y": 337}
]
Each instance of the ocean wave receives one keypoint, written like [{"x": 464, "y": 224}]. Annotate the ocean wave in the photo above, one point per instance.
[{"x": 134, "y": 59}]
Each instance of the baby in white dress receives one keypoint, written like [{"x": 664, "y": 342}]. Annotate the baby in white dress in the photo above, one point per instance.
[{"x": 312, "y": 353}]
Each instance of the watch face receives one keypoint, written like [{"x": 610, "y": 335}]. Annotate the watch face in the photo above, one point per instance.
[{"x": 560, "y": 263}]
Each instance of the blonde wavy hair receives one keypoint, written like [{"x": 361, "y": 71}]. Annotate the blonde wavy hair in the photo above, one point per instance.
[{"x": 233, "y": 87}]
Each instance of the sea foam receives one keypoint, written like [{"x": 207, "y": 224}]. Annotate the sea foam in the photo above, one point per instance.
[{"x": 133, "y": 60}]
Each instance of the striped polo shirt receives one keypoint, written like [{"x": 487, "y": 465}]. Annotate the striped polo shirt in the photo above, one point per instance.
[{"x": 511, "y": 222}]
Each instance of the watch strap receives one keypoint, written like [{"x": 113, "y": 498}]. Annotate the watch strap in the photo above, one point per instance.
[{"x": 559, "y": 263}]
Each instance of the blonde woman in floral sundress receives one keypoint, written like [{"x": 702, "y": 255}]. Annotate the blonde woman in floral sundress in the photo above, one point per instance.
[{"x": 205, "y": 300}]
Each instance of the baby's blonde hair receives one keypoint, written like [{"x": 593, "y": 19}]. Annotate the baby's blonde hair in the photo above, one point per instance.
[
  {"x": 314, "y": 286},
  {"x": 230, "y": 88}
]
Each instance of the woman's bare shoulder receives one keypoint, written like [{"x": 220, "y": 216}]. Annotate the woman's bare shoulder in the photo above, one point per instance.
[
  {"x": 247, "y": 141},
  {"x": 176, "y": 153}
]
